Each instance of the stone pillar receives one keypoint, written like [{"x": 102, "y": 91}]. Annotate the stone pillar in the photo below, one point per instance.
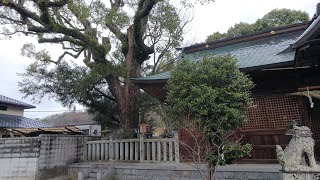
[
  {"x": 111, "y": 150},
  {"x": 99, "y": 176},
  {"x": 141, "y": 147},
  {"x": 80, "y": 176},
  {"x": 176, "y": 148}
]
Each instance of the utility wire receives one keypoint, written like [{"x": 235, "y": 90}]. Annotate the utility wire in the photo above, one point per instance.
[{"x": 81, "y": 110}]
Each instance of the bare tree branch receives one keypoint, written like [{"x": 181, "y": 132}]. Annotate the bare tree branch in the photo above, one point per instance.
[
  {"x": 104, "y": 94},
  {"x": 70, "y": 54},
  {"x": 61, "y": 39}
]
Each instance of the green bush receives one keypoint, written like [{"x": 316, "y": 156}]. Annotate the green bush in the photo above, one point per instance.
[{"x": 214, "y": 95}]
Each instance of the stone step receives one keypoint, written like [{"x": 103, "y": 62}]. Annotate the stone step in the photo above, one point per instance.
[{"x": 92, "y": 175}]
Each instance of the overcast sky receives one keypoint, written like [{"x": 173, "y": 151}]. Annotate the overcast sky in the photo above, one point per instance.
[{"x": 217, "y": 16}]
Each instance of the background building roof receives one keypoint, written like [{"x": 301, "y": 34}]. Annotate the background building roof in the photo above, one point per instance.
[
  {"x": 10, "y": 121},
  {"x": 7, "y": 100},
  {"x": 70, "y": 118}
]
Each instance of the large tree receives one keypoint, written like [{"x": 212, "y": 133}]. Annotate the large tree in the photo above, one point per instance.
[
  {"x": 114, "y": 38},
  {"x": 271, "y": 20}
]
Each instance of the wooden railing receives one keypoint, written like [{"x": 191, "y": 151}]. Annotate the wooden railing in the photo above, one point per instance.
[{"x": 139, "y": 149}]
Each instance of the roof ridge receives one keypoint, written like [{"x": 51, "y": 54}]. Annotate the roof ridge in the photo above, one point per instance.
[
  {"x": 7, "y": 100},
  {"x": 246, "y": 38}
]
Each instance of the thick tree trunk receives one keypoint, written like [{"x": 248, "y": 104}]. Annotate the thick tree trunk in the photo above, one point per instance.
[
  {"x": 129, "y": 107},
  {"x": 128, "y": 99}
]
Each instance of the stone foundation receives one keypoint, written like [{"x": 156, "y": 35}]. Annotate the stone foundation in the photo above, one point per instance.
[
  {"x": 300, "y": 175},
  {"x": 171, "y": 171}
]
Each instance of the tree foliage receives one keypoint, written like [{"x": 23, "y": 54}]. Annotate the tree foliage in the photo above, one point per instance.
[
  {"x": 213, "y": 94},
  {"x": 273, "y": 19},
  {"x": 109, "y": 41}
]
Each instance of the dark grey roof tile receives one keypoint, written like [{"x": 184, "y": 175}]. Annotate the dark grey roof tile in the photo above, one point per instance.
[
  {"x": 7, "y": 100},
  {"x": 10, "y": 121}
]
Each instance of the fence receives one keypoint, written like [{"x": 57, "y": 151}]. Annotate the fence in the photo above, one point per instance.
[{"x": 138, "y": 149}]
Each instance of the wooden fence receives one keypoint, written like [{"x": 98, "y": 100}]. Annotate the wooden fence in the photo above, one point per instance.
[{"x": 138, "y": 149}]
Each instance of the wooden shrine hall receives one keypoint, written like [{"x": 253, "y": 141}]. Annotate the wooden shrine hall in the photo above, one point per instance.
[{"x": 284, "y": 66}]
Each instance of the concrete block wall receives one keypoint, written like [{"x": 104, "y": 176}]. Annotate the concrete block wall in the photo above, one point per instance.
[
  {"x": 19, "y": 158},
  {"x": 56, "y": 152},
  {"x": 18, "y": 168},
  {"x": 19, "y": 147},
  {"x": 39, "y": 158}
]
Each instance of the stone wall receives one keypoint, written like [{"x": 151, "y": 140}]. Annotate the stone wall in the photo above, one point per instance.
[
  {"x": 56, "y": 152},
  {"x": 38, "y": 158},
  {"x": 173, "y": 171},
  {"x": 19, "y": 158}
]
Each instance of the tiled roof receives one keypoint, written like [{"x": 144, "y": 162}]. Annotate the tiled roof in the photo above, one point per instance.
[
  {"x": 312, "y": 30},
  {"x": 160, "y": 76},
  {"x": 249, "y": 54},
  {"x": 254, "y": 53},
  {"x": 7, "y": 100},
  {"x": 10, "y": 121}
]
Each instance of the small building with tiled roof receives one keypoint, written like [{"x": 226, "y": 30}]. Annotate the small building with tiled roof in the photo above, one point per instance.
[
  {"x": 12, "y": 106},
  {"x": 284, "y": 64},
  {"x": 254, "y": 52},
  {"x": 81, "y": 120},
  {"x": 11, "y": 116}
]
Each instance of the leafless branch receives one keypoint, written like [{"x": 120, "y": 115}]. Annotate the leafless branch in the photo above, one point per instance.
[
  {"x": 70, "y": 54},
  {"x": 104, "y": 94},
  {"x": 61, "y": 39}
]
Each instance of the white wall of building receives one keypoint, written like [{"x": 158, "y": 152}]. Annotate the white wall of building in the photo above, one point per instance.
[
  {"x": 93, "y": 129},
  {"x": 13, "y": 110}
]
